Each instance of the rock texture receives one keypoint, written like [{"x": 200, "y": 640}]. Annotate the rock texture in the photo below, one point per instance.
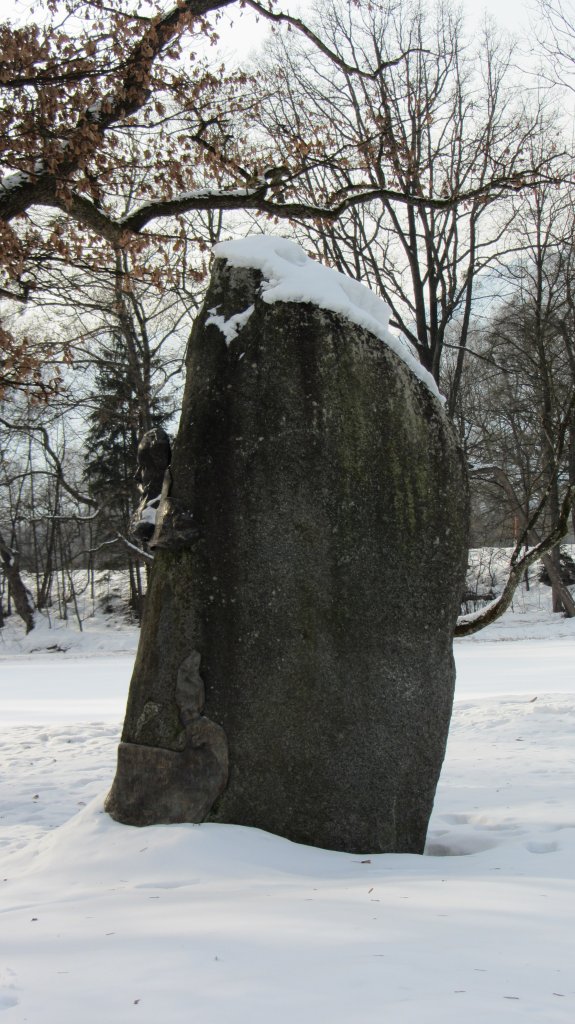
[
  {"x": 157, "y": 786},
  {"x": 325, "y": 504}
]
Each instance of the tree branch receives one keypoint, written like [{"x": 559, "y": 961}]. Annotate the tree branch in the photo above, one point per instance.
[
  {"x": 128, "y": 96},
  {"x": 349, "y": 69},
  {"x": 5, "y": 293},
  {"x": 84, "y": 499},
  {"x": 469, "y": 624},
  {"x": 85, "y": 212}
]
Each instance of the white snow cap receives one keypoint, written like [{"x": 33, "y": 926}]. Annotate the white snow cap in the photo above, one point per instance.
[{"x": 291, "y": 276}]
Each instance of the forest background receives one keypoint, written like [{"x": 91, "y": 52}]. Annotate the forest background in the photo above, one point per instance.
[{"x": 428, "y": 155}]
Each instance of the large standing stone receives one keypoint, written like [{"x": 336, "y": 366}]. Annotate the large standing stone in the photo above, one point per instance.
[{"x": 330, "y": 498}]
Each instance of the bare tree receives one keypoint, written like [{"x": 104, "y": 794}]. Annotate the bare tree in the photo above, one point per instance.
[
  {"x": 447, "y": 120},
  {"x": 518, "y": 401},
  {"x": 78, "y": 104},
  {"x": 36, "y": 497}
]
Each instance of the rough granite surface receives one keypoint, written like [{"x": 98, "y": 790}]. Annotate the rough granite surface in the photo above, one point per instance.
[{"x": 331, "y": 502}]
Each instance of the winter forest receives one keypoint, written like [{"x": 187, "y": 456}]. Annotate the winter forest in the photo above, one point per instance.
[
  {"x": 433, "y": 165},
  {"x": 425, "y": 151}
]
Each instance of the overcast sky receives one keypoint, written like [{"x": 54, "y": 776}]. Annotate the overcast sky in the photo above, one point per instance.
[
  {"x": 240, "y": 31},
  {"x": 512, "y": 14}
]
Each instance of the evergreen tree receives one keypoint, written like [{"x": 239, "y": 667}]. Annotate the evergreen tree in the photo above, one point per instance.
[{"x": 122, "y": 413}]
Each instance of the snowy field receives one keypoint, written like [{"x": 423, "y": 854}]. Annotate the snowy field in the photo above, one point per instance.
[{"x": 225, "y": 925}]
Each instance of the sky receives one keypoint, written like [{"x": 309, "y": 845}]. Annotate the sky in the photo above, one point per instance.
[
  {"x": 244, "y": 32},
  {"x": 513, "y": 15}
]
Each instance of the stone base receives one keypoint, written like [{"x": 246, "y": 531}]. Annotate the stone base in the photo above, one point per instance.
[{"x": 164, "y": 787}]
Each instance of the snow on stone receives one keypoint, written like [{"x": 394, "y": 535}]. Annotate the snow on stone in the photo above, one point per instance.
[
  {"x": 229, "y": 328},
  {"x": 291, "y": 276}
]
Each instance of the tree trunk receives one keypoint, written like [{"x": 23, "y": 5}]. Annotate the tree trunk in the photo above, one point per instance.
[
  {"x": 22, "y": 597},
  {"x": 572, "y": 466},
  {"x": 552, "y": 563},
  {"x": 562, "y": 600},
  {"x": 469, "y": 624}
]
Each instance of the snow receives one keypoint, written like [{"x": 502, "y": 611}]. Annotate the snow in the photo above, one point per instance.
[
  {"x": 94, "y": 111},
  {"x": 11, "y": 182},
  {"x": 291, "y": 276},
  {"x": 86, "y": 689},
  {"x": 150, "y": 511},
  {"x": 233, "y": 325},
  {"x": 226, "y": 925},
  {"x": 199, "y": 194}
]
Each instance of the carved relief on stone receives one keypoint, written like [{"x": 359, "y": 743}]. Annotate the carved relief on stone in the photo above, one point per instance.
[{"x": 180, "y": 785}]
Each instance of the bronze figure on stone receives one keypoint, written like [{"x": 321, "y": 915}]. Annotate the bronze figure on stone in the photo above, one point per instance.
[{"x": 157, "y": 521}]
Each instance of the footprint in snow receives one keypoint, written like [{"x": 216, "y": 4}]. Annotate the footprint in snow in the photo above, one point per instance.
[
  {"x": 7, "y": 985},
  {"x": 540, "y": 846}
]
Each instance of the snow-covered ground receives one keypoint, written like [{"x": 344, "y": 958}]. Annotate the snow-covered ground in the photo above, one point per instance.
[{"x": 225, "y": 925}]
